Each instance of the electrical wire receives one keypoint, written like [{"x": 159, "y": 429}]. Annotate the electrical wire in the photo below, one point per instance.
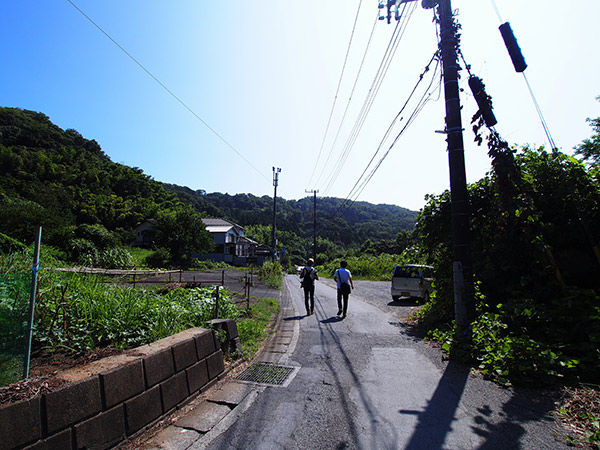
[
  {"x": 371, "y": 95},
  {"x": 359, "y": 186},
  {"x": 349, "y": 98},
  {"x": 336, "y": 93},
  {"x": 497, "y": 11},
  {"x": 161, "y": 84}
]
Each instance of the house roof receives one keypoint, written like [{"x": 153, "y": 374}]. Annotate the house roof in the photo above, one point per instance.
[{"x": 220, "y": 225}]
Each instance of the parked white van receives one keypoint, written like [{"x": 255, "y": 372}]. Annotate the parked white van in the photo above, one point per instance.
[{"x": 412, "y": 280}]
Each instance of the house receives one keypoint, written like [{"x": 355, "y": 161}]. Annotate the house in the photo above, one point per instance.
[
  {"x": 231, "y": 246},
  {"x": 144, "y": 234}
]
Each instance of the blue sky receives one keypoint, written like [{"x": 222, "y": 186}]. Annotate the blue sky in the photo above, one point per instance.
[{"x": 264, "y": 75}]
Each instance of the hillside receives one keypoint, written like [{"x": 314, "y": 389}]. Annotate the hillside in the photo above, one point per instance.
[
  {"x": 64, "y": 182},
  {"x": 350, "y": 227}
]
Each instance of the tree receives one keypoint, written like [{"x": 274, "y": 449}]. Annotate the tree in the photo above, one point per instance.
[
  {"x": 589, "y": 149},
  {"x": 182, "y": 232}
]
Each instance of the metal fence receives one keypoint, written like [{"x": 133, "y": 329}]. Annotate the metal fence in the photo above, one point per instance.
[{"x": 14, "y": 325}]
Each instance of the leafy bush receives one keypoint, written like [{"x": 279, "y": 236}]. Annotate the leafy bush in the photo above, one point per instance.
[
  {"x": 369, "y": 267},
  {"x": 79, "y": 312},
  {"x": 270, "y": 273}
]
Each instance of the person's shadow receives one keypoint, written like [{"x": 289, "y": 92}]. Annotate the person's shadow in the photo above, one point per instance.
[
  {"x": 294, "y": 318},
  {"x": 332, "y": 319}
]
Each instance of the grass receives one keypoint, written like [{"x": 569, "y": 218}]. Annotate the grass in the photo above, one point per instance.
[{"x": 253, "y": 328}]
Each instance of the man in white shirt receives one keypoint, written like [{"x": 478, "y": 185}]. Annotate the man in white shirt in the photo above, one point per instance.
[{"x": 344, "y": 287}]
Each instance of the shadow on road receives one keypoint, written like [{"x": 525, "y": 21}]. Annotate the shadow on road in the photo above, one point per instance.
[
  {"x": 435, "y": 423},
  {"x": 294, "y": 318}
]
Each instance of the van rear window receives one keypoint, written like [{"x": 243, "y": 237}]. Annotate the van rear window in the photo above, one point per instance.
[{"x": 406, "y": 272}]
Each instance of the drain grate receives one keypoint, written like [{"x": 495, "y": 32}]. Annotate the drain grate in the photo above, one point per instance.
[{"x": 265, "y": 373}]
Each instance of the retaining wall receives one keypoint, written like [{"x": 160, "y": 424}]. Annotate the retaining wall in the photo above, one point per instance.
[{"x": 116, "y": 397}]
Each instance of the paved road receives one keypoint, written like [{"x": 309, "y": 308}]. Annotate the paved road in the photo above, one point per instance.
[{"x": 366, "y": 383}]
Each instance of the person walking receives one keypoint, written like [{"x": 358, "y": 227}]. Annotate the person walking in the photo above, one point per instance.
[
  {"x": 309, "y": 275},
  {"x": 344, "y": 287}
]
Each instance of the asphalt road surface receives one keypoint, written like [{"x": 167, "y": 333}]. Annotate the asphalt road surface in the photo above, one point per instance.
[{"x": 365, "y": 383}]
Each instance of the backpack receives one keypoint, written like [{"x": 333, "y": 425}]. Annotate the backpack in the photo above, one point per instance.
[{"x": 307, "y": 279}]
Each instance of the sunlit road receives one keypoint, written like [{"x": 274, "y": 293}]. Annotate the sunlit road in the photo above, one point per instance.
[{"x": 365, "y": 383}]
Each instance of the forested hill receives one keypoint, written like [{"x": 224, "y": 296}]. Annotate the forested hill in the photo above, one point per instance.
[
  {"x": 346, "y": 226},
  {"x": 60, "y": 180}
]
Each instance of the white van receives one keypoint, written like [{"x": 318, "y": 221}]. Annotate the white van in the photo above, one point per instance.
[{"x": 412, "y": 280}]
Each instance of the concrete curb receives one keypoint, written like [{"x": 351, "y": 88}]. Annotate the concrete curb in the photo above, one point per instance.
[{"x": 212, "y": 412}]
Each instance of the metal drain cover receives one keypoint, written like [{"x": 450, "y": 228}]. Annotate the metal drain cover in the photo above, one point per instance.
[{"x": 269, "y": 374}]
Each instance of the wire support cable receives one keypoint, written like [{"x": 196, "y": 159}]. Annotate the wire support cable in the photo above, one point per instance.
[
  {"x": 171, "y": 93},
  {"x": 336, "y": 92},
  {"x": 371, "y": 95},
  {"x": 541, "y": 116}
]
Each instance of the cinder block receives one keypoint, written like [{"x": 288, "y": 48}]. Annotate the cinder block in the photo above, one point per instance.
[
  {"x": 184, "y": 354},
  {"x": 122, "y": 383},
  {"x": 102, "y": 431},
  {"x": 158, "y": 367},
  {"x": 206, "y": 343},
  {"x": 215, "y": 364},
  {"x": 72, "y": 404},
  {"x": 197, "y": 376},
  {"x": 60, "y": 441},
  {"x": 236, "y": 345},
  {"x": 228, "y": 325},
  {"x": 20, "y": 423},
  {"x": 174, "y": 390},
  {"x": 142, "y": 410}
]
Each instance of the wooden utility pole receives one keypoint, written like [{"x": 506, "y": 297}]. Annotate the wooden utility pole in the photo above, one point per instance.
[
  {"x": 275, "y": 182},
  {"x": 314, "y": 191},
  {"x": 464, "y": 304}
]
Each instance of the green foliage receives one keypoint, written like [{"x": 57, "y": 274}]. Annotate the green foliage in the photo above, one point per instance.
[
  {"x": 589, "y": 149},
  {"x": 368, "y": 267},
  {"x": 10, "y": 245},
  {"x": 87, "y": 205},
  {"x": 270, "y": 273},
  {"x": 183, "y": 234},
  {"x": 252, "y": 329},
  {"x": 525, "y": 231},
  {"x": 338, "y": 229},
  {"x": 78, "y": 312}
]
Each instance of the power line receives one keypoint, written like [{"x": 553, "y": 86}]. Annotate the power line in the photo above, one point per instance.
[
  {"x": 371, "y": 95},
  {"x": 349, "y": 98},
  {"x": 358, "y": 189},
  {"x": 336, "y": 92},
  {"x": 167, "y": 89}
]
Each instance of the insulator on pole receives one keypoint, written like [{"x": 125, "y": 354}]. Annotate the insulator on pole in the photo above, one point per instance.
[
  {"x": 513, "y": 47},
  {"x": 483, "y": 101}
]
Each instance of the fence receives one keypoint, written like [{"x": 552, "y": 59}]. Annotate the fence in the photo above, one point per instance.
[
  {"x": 14, "y": 325},
  {"x": 237, "y": 282}
]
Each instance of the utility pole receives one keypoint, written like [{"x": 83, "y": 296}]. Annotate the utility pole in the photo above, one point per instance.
[
  {"x": 314, "y": 222},
  {"x": 464, "y": 305},
  {"x": 275, "y": 182}
]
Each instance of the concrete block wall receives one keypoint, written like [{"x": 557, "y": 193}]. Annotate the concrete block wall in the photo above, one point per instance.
[{"x": 113, "y": 398}]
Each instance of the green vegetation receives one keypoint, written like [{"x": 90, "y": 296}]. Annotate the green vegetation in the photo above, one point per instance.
[
  {"x": 370, "y": 267},
  {"x": 253, "y": 328},
  {"x": 538, "y": 297},
  {"x": 270, "y": 274}
]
